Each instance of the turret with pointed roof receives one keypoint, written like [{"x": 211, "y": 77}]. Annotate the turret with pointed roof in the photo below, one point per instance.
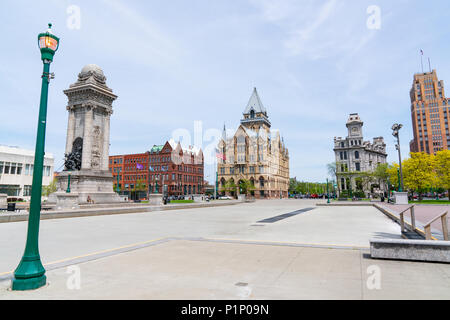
[{"x": 255, "y": 115}]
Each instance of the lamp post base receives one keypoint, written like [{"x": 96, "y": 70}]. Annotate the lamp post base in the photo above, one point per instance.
[{"x": 28, "y": 284}]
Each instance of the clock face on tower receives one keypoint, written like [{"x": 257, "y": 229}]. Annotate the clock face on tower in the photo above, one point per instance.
[{"x": 354, "y": 130}]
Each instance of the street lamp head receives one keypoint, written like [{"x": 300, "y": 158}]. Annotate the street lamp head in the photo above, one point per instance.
[{"x": 48, "y": 44}]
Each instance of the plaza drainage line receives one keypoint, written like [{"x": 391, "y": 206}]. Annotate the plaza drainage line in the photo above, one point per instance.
[{"x": 285, "y": 216}]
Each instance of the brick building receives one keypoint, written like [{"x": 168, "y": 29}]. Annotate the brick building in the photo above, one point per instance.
[
  {"x": 430, "y": 110},
  {"x": 180, "y": 170}
]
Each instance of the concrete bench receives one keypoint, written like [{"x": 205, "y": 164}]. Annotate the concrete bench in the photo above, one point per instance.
[{"x": 411, "y": 250}]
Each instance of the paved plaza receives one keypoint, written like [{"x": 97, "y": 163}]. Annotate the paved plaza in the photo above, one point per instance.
[{"x": 280, "y": 249}]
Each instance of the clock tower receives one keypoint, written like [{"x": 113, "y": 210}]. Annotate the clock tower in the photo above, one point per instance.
[{"x": 354, "y": 125}]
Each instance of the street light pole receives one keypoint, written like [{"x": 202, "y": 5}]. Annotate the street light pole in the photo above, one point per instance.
[
  {"x": 328, "y": 193},
  {"x": 396, "y": 128},
  {"x": 30, "y": 273}
]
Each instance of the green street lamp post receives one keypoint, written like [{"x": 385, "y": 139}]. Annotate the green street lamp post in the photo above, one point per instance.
[
  {"x": 389, "y": 189},
  {"x": 30, "y": 273},
  {"x": 68, "y": 184},
  {"x": 328, "y": 193},
  {"x": 399, "y": 183},
  {"x": 117, "y": 185}
]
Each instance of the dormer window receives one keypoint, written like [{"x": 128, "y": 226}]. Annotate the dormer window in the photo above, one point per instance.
[{"x": 252, "y": 114}]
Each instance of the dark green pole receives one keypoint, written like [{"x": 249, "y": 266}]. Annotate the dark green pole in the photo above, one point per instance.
[
  {"x": 68, "y": 184},
  {"x": 389, "y": 189},
  {"x": 328, "y": 193},
  {"x": 30, "y": 274},
  {"x": 117, "y": 186},
  {"x": 399, "y": 183}
]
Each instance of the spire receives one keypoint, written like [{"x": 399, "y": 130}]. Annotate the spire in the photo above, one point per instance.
[
  {"x": 224, "y": 133},
  {"x": 255, "y": 104}
]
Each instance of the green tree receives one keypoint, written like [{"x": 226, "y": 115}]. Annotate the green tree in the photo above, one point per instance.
[
  {"x": 245, "y": 186},
  {"x": 418, "y": 172},
  {"x": 381, "y": 174},
  {"x": 230, "y": 186},
  {"x": 442, "y": 169},
  {"x": 51, "y": 188},
  {"x": 392, "y": 171}
]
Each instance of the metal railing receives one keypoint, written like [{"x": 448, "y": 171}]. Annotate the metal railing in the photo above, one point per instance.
[
  {"x": 443, "y": 217},
  {"x": 413, "y": 219}
]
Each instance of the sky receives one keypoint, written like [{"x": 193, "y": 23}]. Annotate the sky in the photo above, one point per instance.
[{"x": 173, "y": 63}]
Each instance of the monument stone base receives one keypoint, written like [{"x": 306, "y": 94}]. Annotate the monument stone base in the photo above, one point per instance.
[
  {"x": 96, "y": 185},
  {"x": 401, "y": 197},
  {"x": 3, "y": 199},
  {"x": 155, "y": 199},
  {"x": 66, "y": 201}
]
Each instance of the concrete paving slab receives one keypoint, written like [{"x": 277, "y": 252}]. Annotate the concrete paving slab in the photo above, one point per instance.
[{"x": 183, "y": 269}]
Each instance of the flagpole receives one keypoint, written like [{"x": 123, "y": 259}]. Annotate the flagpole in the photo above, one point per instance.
[
  {"x": 215, "y": 182},
  {"x": 421, "y": 59}
]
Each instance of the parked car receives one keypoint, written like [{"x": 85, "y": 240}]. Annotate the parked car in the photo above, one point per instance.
[{"x": 225, "y": 198}]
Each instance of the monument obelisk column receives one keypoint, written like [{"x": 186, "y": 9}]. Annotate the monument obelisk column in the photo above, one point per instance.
[
  {"x": 87, "y": 147},
  {"x": 70, "y": 130},
  {"x": 105, "y": 160},
  {"x": 87, "y": 142}
]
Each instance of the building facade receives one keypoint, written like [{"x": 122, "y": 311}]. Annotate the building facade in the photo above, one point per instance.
[
  {"x": 254, "y": 154},
  {"x": 166, "y": 167},
  {"x": 430, "y": 110},
  {"x": 354, "y": 157},
  {"x": 16, "y": 171}
]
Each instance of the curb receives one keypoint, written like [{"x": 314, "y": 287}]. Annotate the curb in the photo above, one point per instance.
[{"x": 45, "y": 215}]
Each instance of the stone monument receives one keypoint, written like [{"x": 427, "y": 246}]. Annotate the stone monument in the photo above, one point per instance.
[{"x": 86, "y": 176}]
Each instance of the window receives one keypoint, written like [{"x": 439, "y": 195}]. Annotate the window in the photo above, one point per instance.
[
  {"x": 26, "y": 191},
  {"x": 1, "y": 167},
  {"x": 7, "y": 166},
  {"x": 19, "y": 168},
  {"x": 13, "y": 168},
  {"x": 356, "y": 154},
  {"x": 358, "y": 166}
]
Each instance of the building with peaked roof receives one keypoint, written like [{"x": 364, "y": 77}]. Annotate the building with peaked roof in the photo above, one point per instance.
[
  {"x": 179, "y": 171},
  {"x": 355, "y": 157},
  {"x": 254, "y": 154}
]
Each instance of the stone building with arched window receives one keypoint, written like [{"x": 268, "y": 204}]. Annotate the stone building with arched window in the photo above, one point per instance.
[
  {"x": 356, "y": 157},
  {"x": 255, "y": 160}
]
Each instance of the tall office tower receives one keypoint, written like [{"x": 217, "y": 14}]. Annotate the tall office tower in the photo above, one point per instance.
[{"x": 430, "y": 110}]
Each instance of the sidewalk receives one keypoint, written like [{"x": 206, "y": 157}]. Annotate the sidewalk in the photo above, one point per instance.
[{"x": 212, "y": 269}]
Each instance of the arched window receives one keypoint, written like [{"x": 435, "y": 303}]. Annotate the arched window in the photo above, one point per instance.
[
  {"x": 252, "y": 114},
  {"x": 356, "y": 154}
]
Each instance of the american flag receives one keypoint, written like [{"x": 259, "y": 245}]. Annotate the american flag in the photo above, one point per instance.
[{"x": 220, "y": 155}]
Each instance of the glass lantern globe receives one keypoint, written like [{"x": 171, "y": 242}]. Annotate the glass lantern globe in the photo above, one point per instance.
[{"x": 48, "y": 44}]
